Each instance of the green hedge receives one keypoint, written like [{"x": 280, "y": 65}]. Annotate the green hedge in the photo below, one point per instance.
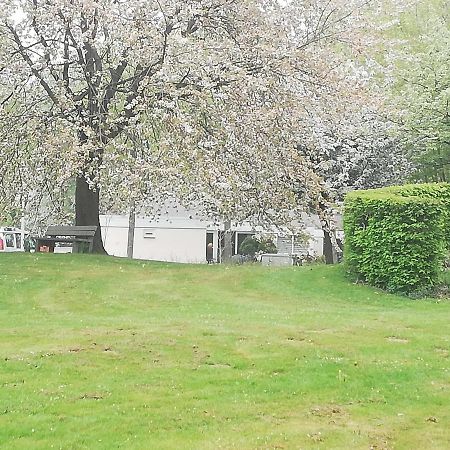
[{"x": 397, "y": 237}]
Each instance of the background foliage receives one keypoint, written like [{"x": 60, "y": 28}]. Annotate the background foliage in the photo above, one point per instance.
[{"x": 416, "y": 69}]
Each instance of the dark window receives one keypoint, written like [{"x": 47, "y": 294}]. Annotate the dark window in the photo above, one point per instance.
[
  {"x": 240, "y": 239},
  {"x": 9, "y": 239}
]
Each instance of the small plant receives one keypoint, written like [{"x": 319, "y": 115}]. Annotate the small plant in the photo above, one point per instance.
[{"x": 252, "y": 245}]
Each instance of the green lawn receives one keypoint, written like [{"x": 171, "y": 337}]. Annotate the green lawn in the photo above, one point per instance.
[{"x": 103, "y": 353}]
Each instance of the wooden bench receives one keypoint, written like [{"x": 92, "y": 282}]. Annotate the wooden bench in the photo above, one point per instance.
[{"x": 66, "y": 234}]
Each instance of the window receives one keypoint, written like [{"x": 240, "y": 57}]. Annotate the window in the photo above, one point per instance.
[
  {"x": 18, "y": 240},
  {"x": 9, "y": 239},
  {"x": 239, "y": 239}
]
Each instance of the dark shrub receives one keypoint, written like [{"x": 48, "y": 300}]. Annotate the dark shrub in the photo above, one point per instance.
[{"x": 251, "y": 245}]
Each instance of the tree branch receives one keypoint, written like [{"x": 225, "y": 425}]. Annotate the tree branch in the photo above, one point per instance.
[{"x": 27, "y": 59}]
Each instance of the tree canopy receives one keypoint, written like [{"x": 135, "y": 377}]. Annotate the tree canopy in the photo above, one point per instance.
[
  {"x": 249, "y": 110},
  {"x": 418, "y": 74}
]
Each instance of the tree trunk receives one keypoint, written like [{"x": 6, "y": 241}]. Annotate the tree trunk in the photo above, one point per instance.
[
  {"x": 87, "y": 211},
  {"x": 228, "y": 246},
  {"x": 131, "y": 227},
  {"x": 328, "y": 250}
]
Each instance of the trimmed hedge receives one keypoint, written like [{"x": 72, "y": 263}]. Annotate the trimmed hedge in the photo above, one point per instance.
[{"x": 397, "y": 238}]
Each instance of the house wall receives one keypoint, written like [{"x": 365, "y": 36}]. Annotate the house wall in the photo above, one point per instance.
[
  {"x": 115, "y": 234},
  {"x": 179, "y": 238},
  {"x": 185, "y": 245},
  {"x": 172, "y": 241},
  {"x": 315, "y": 244}
]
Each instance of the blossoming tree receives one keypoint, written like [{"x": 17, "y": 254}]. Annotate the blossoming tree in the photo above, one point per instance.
[{"x": 139, "y": 101}]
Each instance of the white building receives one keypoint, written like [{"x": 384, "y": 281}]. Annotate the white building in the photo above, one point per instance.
[
  {"x": 180, "y": 236},
  {"x": 12, "y": 239}
]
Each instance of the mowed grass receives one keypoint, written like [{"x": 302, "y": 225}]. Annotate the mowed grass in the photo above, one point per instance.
[{"x": 103, "y": 353}]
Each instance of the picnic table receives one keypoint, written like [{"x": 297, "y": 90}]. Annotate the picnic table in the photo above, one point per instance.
[{"x": 78, "y": 236}]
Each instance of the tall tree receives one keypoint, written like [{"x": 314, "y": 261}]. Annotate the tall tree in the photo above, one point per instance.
[
  {"x": 204, "y": 100},
  {"x": 359, "y": 151},
  {"x": 416, "y": 72}
]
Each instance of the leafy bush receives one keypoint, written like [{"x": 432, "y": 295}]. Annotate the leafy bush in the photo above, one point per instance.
[
  {"x": 251, "y": 245},
  {"x": 397, "y": 237}
]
